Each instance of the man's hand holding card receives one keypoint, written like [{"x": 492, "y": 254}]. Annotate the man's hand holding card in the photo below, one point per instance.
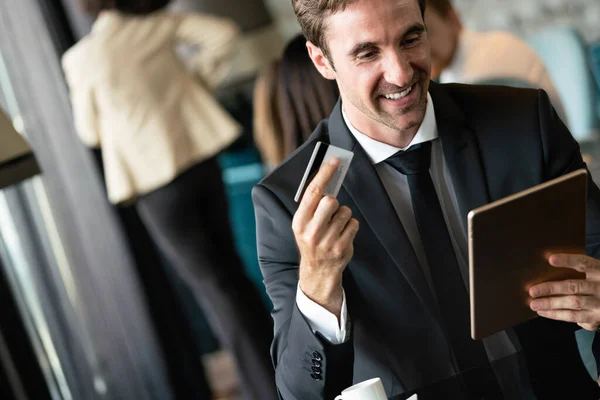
[{"x": 324, "y": 231}]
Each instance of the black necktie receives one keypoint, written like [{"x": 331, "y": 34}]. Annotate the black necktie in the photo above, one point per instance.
[{"x": 448, "y": 284}]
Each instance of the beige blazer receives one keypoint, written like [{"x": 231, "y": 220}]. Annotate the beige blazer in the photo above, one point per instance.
[{"x": 134, "y": 97}]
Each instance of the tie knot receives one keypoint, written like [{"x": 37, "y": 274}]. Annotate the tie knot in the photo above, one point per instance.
[{"x": 415, "y": 160}]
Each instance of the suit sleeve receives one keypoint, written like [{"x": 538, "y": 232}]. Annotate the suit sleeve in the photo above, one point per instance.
[
  {"x": 307, "y": 366},
  {"x": 213, "y": 42},
  {"x": 562, "y": 155}
]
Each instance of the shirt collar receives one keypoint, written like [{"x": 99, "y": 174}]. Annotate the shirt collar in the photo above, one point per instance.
[{"x": 378, "y": 151}]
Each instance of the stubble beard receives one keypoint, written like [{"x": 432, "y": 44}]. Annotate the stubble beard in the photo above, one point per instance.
[
  {"x": 384, "y": 118},
  {"x": 392, "y": 121}
]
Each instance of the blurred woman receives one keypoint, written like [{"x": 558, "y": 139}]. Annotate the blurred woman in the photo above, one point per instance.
[
  {"x": 267, "y": 125},
  {"x": 159, "y": 129},
  {"x": 290, "y": 100}
]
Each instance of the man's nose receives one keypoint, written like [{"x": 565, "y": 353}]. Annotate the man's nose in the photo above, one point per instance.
[{"x": 398, "y": 70}]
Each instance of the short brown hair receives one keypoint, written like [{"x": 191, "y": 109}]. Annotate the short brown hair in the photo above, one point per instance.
[
  {"x": 442, "y": 7},
  {"x": 135, "y": 7},
  {"x": 311, "y": 15}
]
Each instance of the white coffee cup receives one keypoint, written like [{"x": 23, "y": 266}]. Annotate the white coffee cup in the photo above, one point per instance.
[{"x": 371, "y": 389}]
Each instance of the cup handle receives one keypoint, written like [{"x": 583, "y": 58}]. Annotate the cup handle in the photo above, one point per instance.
[{"x": 339, "y": 397}]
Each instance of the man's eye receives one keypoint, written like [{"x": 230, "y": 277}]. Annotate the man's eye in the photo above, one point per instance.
[
  {"x": 366, "y": 56},
  {"x": 412, "y": 41}
]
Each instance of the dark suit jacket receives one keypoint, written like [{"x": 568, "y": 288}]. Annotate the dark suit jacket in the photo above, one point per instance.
[{"x": 496, "y": 141}]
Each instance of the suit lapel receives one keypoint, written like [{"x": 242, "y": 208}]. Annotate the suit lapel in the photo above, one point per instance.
[
  {"x": 463, "y": 159},
  {"x": 365, "y": 189},
  {"x": 461, "y": 152}
]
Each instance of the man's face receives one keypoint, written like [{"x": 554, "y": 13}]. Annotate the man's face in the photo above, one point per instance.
[
  {"x": 380, "y": 51},
  {"x": 443, "y": 34}
]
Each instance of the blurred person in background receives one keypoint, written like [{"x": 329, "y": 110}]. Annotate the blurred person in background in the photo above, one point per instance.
[
  {"x": 160, "y": 128},
  {"x": 266, "y": 120},
  {"x": 290, "y": 100},
  {"x": 459, "y": 55}
]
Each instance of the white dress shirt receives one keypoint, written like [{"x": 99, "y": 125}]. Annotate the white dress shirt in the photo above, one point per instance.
[
  {"x": 485, "y": 56},
  {"x": 396, "y": 186}
]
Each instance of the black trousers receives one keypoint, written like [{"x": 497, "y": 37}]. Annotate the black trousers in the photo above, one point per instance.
[
  {"x": 176, "y": 338},
  {"x": 189, "y": 221}
]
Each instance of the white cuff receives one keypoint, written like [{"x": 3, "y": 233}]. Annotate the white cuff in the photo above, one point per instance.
[{"x": 321, "y": 320}]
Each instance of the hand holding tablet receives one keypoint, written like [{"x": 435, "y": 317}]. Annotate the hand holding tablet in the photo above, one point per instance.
[{"x": 510, "y": 243}]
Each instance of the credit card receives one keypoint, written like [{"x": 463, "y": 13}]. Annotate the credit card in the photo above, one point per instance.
[{"x": 321, "y": 154}]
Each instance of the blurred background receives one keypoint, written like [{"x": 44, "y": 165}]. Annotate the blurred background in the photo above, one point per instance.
[{"x": 76, "y": 317}]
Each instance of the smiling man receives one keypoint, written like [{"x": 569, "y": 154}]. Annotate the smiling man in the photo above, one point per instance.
[{"x": 373, "y": 283}]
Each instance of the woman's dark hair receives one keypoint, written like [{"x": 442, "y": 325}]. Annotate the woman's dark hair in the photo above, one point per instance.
[
  {"x": 305, "y": 97},
  {"x": 134, "y": 7}
]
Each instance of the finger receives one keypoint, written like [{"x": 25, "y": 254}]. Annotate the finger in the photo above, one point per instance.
[
  {"x": 314, "y": 193},
  {"x": 338, "y": 223},
  {"x": 565, "y": 303},
  {"x": 589, "y": 327},
  {"x": 570, "y": 286},
  {"x": 327, "y": 208},
  {"x": 578, "y": 262},
  {"x": 580, "y": 317},
  {"x": 350, "y": 231},
  {"x": 316, "y": 228}
]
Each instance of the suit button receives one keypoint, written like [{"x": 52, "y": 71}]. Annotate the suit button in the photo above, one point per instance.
[
  {"x": 316, "y": 369},
  {"x": 316, "y": 363},
  {"x": 317, "y": 356},
  {"x": 316, "y": 377}
]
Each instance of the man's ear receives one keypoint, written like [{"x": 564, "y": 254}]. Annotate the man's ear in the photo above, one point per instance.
[{"x": 321, "y": 62}]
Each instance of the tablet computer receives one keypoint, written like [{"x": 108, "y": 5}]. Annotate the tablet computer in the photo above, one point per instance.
[{"x": 510, "y": 241}]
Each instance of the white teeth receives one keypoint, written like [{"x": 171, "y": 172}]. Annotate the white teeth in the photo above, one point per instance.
[{"x": 398, "y": 96}]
